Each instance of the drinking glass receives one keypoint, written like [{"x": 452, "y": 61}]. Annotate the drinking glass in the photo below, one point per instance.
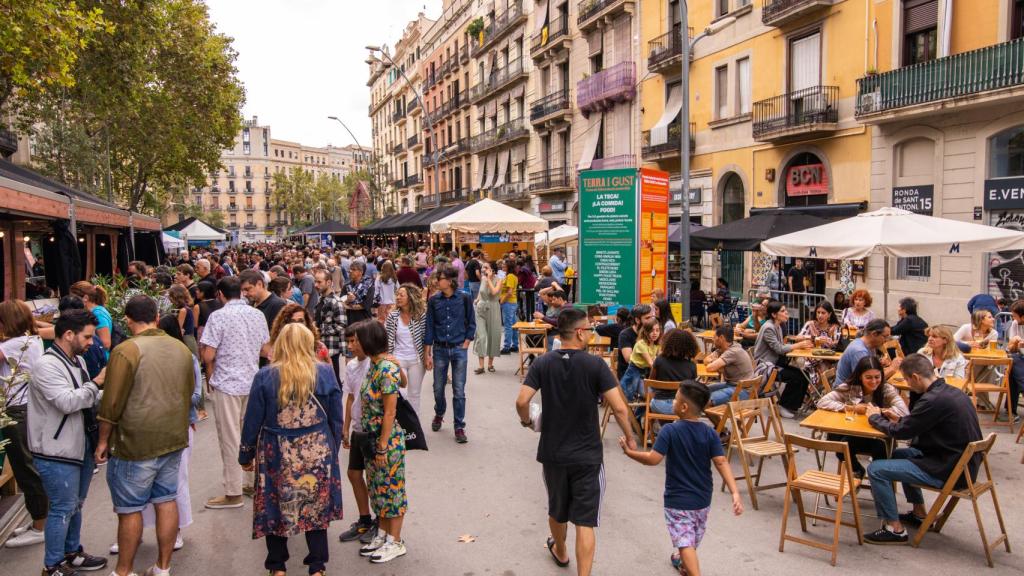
[{"x": 849, "y": 408}]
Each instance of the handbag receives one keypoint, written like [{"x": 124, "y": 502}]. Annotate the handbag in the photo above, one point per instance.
[{"x": 410, "y": 422}]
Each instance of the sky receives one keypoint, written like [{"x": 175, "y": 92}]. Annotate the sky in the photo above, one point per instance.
[{"x": 304, "y": 60}]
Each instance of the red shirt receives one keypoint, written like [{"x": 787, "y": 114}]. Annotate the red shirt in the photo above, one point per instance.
[{"x": 407, "y": 275}]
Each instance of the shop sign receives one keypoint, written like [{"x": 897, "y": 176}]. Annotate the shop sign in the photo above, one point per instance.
[
  {"x": 551, "y": 207},
  {"x": 493, "y": 238},
  {"x": 608, "y": 239},
  {"x": 916, "y": 199},
  {"x": 1004, "y": 193},
  {"x": 807, "y": 180}
]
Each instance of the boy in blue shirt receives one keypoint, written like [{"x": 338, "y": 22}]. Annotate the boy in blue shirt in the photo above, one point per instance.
[{"x": 691, "y": 447}]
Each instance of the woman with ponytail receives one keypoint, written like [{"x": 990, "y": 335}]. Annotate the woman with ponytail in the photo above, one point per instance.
[{"x": 291, "y": 435}]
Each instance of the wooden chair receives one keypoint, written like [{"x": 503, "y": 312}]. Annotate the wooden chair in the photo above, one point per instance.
[
  {"x": 631, "y": 407},
  {"x": 649, "y": 416},
  {"x": 973, "y": 491},
  {"x": 718, "y": 414},
  {"x": 1001, "y": 389},
  {"x": 892, "y": 346},
  {"x": 751, "y": 444},
  {"x": 529, "y": 347},
  {"x": 826, "y": 378},
  {"x": 599, "y": 345},
  {"x": 838, "y": 486},
  {"x": 1020, "y": 434}
]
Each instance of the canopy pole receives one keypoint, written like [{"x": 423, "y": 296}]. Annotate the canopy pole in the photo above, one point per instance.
[{"x": 885, "y": 289}]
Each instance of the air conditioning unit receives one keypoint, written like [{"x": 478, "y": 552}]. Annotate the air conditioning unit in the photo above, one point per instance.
[{"x": 870, "y": 102}]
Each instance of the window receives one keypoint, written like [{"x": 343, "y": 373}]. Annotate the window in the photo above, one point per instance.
[
  {"x": 743, "y": 84},
  {"x": 721, "y": 92},
  {"x": 919, "y": 268},
  {"x": 920, "y": 30},
  {"x": 721, "y": 7},
  {"x": 1006, "y": 153},
  {"x": 804, "y": 63}
]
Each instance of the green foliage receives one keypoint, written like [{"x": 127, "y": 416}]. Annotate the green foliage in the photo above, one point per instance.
[
  {"x": 118, "y": 294},
  {"x": 155, "y": 102},
  {"x": 475, "y": 27}
]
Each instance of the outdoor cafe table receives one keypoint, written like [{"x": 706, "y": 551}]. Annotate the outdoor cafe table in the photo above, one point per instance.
[
  {"x": 521, "y": 325},
  {"x": 810, "y": 355},
  {"x": 704, "y": 374},
  {"x": 985, "y": 353},
  {"x": 899, "y": 383}
]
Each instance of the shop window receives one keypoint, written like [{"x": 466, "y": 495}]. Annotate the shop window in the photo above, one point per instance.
[
  {"x": 1006, "y": 160},
  {"x": 805, "y": 181}
]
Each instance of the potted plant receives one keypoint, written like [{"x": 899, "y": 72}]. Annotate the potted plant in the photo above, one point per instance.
[{"x": 476, "y": 29}]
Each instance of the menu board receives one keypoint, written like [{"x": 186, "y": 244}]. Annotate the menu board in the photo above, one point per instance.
[
  {"x": 608, "y": 238},
  {"x": 653, "y": 232}
]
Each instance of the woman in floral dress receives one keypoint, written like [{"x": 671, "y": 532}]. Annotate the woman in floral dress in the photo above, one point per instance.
[
  {"x": 385, "y": 462},
  {"x": 292, "y": 429}
]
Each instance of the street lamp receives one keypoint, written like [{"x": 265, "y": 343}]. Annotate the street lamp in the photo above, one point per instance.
[
  {"x": 684, "y": 144},
  {"x": 437, "y": 153},
  {"x": 370, "y": 170}
]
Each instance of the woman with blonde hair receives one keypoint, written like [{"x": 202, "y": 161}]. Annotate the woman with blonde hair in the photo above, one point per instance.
[
  {"x": 293, "y": 313},
  {"x": 405, "y": 327},
  {"x": 95, "y": 299},
  {"x": 181, "y": 309},
  {"x": 944, "y": 353},
  {"x": 980, "y": 332},
  {"x": 291, "y": 436}
]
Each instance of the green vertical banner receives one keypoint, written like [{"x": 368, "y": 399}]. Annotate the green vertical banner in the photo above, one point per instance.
[{"x": 608, "y": 237}]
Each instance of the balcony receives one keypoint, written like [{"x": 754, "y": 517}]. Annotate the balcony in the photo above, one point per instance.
[
  {"x": 503, "y": 24},
  {"x": 464, "y": 55},
  {"x": 462, "y": 99},
  {"x": 605, "y": 89},
  {"x": 553, "y": 108},
  {"x": 455, "y": 196},
  {"x": 507, "y": 132},
  {"x": 591, "y": 12},
  {"x": 429, "y": 201},
  {"x": 458, "y": 148},
  {"x": 399, "y": 148},
  {"x": 250, "y": 225},
  {"x": 415, "y": 108},
  {"x": 280, "y": 222},
  {"x": 552, "y": 180},
  {"x": 250, "y": 208},
  {"x": 614, "y": 162},
  {"x": 412, "y": 180},
  {"x": 796, "y": 115},
  {"x": 398, "y": 183},
  {"x": 446, "y": 69},
  {"x": 497, "y": 80},
  {"x": 8, "y": 142},
  {"x": 413, "y": 141},
  {"x": 779, "y": 12},
  {"x": 232, "y": 225},
  {"x": 992, "y": 73},
  {"x": 249, "y": 191},
  {"x": 510, "y": 192},
  {"x": 665, "y": 51},
  {"x": 233, "y": 208},
  {"x": 398, "y": 116},
  {"x": 669, "y": 149},
  {"x": 557, "y": 37}
]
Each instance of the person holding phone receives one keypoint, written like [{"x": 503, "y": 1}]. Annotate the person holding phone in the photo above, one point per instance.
[{"x": 488, "y": 318}]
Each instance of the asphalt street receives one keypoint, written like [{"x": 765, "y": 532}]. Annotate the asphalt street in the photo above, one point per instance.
[{"x": 491, "y": 490}]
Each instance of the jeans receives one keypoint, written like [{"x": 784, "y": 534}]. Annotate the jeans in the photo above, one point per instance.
[
  {"x": 722, "y": 393},
  {"x": 632, "y": 382},
  {"x": 508, "y": 318},
  {"x": 1016, "y": 380},
  {"x": 662, "y": 406},
  {"x": 456, "y": 358},
  {"x": 316, "y": 543},
  {"x": 66, "y": 486},
  {"x": 898, "y": 469},
  {"x": 135, "y": 483},
  {"x": 474, "y": 288}
]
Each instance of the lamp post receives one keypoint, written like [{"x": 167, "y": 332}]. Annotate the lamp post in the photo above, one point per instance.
[
  {"x": 428, "y": 116},
  {"x": 684, "y": 145},
  {"x": 369, "y": 170}
]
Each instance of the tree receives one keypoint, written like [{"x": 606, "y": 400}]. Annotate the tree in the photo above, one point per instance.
[
  {"x": 153, "y": 103},
  {"x": 40, "y": 41},
  {"x": 294, "y": 194},
  {"x": 329, "y": 193}
]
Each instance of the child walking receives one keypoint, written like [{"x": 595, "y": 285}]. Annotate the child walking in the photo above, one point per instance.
[{"x": 691, "y": 447}]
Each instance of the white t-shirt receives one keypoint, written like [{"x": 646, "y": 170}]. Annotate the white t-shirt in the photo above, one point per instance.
[
  {"x": 23, "y": 350},
  {"x": 405, "y": 348},
  {"x": 386, "y": 291},
  {"x": 355, "y": 374}
]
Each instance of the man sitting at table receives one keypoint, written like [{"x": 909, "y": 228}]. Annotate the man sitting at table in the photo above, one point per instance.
[
  {"x": 940, "y": 426},
  {"x": 876, "y": 333},
  {"x": 731, "y": 361},
  {"x": 557, "y": 303}
]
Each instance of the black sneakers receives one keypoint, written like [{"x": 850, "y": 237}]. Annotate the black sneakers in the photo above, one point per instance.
[
  {"x": 356, "y": 530},
  {"x": 911, "y": 519},
  {"x": 885, "y": 537},
  {"x": 460, "y": 436},
  {"x": 436, "y": 424},
  {"x": 61, "y": 569}
]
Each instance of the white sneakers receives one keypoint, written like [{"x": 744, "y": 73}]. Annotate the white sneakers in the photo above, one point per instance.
[
  {"x": 26, "y": 536},
  {"x": 383, "y": 548},
  {"x": 379, "y": 539},
  {"x": 178, "y": 545}
]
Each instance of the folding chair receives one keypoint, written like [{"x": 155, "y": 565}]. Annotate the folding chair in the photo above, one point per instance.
[
  {"x": 1001, "y": 389},
  {"x": 599, "y": 345},
  {"x": 823, "y": 483},
  {"x": 767, "y": 444},
  {"x": 630, "y": 408},
  {"x": 650, "y": 417},
  {"x": 717, "y": 414},
  {"x": 972, "y": 491},
  {"x": 892, "y": 346},
  {"x": 826, "y": 377},
  {"x": 532, "y": 342}
]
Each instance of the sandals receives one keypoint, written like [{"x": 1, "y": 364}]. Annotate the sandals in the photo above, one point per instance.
[
  {"x": 478, "y": 371},
  {"x": 551, "y": 549},
  {"x": 491, "y": 369}
]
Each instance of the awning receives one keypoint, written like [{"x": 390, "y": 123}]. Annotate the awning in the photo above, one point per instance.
[
  {"x": 383, "y": 222},
  {"x": 502, "y": 167},
  {"x": 830, "y": 211},
  {"x": 675, "y": 232},
  {"x": 540, "y": 17},
  {"x": 482, "y": 171},
  {"x": 746, "y": 234},
  {"x": 590, "y": 144},
  {"x": 488, "y": 216},
  {"x": 659, "y": 133},
  {"x": 423, "y": 219},
  {"x": 492, "y": 168},
  {"x": 332, "y": 227}
]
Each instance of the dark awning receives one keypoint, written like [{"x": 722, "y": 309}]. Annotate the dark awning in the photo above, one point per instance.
[
  {"x": 830, "y": 211},
  {"x": 675, "y": 232},
  {"x": 747, "y": 233},
  {"x": 423, "y": 220},
  {"x": 380, "y": 224},
  {"x": 332, "y": 227}
]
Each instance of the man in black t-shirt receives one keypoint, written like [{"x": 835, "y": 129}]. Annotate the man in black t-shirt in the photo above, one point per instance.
[
  {"x": 473, "y": 273},
  {"x": 797, "y": 274},
  {"x": 570, "y": 450}
]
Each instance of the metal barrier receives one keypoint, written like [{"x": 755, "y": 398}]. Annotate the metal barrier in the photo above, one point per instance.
[{"x": 800, "y": 305}]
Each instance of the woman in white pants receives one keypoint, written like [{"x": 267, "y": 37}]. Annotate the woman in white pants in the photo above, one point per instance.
[{"x": 405, "y": 326}]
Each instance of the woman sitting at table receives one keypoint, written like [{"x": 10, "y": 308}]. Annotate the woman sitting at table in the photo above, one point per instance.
[
  {"x": 944, "y": 353},
  {"x": 748, "y": 329},
  {"x": 824, "y": 331},
  {"x": 673, "y": 364},
  {"x": 771, "y": 348},
  {"x": 859, "y": 313},
  {"x": 865, "y": 387},
  {"x": 980, "y": 332}
]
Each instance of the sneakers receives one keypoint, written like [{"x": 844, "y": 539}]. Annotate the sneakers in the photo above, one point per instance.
[
  {"x": 84, "y": 562},
  {"x": 379, "y": 539},
  {"x": 435, "y": 425},
  {"x": 786, "y": 413},
  {"x": 911, "y": 519},
  {"x": 179, "y": 543},
  {"x": 26, "y": 537},
  {"x": 389, "y": 551},
  {"x": 460, "y": 436},
  {"x": 356, "y": 530},
  {"x": 154, "y": 571},
  {"x": 222, "y": 502},
  {"x": 61, "y": 569},
  {"x": 885, "y": 537},
  {"x": 248, "y": 491},
  {"x": 370, "y": 534}
]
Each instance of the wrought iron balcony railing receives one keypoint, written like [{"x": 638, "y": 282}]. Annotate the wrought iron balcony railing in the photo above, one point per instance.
[
  {"x": 669, "y": 147},
  {"x": 551, "y": 179},
  {"x": 604, "y": 89},
  {"x": 808, "y": 110},
  {"x": 511, "y": 130},
  {"x": 558, "y": 29},
  {"x": 778, "y": 12},
  {"x": 502, "y": 24},
  {"x": 548, "y": 105}
]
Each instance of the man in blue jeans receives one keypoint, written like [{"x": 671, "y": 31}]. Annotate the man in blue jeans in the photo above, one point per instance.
[
  {"x": 731, "y": 361},
  {"x": 61, "y": 429},
  {"x": 942, "y": 422},
  {"x": 450, "y": 327},
  {"x": 147, "y": 399}
]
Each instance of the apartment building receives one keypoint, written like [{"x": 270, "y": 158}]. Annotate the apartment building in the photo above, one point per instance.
[
  {"x": 943, "y": 97},
  {"x": 243, "y": 185}
]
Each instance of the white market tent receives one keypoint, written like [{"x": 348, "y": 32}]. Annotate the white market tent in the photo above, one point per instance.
[
  {"x": 893, "y": 232},
  {"x": 195, "y": 230},
  {"x": 489, "y": 217},
  {"x": 559, "y": 236},
  {"x": 171, "y": 244}
]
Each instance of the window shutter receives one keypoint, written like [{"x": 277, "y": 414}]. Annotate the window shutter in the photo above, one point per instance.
[
  {"x": 805, "y": 61},
  {"x": 920, "y": 15}
]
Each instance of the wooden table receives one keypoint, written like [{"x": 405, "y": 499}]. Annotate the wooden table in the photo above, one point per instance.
[
  {"x": 809, "y": 355},
  {"x": 532, "y": 326},
  {"x": 829, "y": 422},
  {"x": 704, "y": 374},
  {"x": 900, "y": 384},
  {"x": 985, "y": 353}
]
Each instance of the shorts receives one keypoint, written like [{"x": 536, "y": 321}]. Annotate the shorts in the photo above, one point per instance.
[
  {"x": 355, "y": 453},
  {"x": 135, "y": 483},
  {"x": 686, "y": 527},
  {"x": 575, "y": 492}
]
